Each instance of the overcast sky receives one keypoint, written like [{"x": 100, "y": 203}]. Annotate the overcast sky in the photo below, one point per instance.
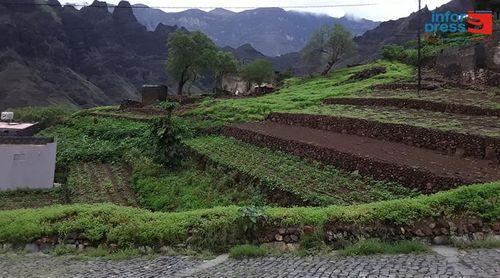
[{"x": 380, "y": 10}]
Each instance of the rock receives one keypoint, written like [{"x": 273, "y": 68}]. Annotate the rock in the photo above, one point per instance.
[
  {"x": 496, "y": 227},
  {"x": 294, "y": 238},
  {"x": 478, "y": 236},
  {"x": 81, "y": 247},
  {"x": 7, "y": 247},
  {"x": 278, "y": 237},
  {"x": 440, "y": 240},
  {"x": 292, "y": 247},
  {"x": 31, "y": 247},
  {"x": 309, "y": 229},
  {"x": 490, "y": 153},
  {"x": 432, "y": 225},
  {"x": 460, "y": 152},
  {"x": 459, "y": 239},
  {"x": 282, "y": 231},
  {"x": 419, "y": 233}
]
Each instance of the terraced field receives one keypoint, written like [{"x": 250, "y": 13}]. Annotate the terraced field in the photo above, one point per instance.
[
  {"x": 480, "y": 125},
  {"x": 30, "y": 199},
  {"x": 101, "y": 183},
  {"x": 310, "y": 182}
]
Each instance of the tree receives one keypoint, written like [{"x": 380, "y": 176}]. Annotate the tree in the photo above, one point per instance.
[
  {"x": 224, "y": 64},
  {"x": 190, "y": 55},
  {"x": 326, "y": 47},
  {"x": 259, "y": 71}
]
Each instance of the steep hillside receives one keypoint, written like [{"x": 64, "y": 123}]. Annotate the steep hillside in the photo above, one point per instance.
[
  {"x": 272, "y": 31},
  {"x": 59, "y": 55},
  {"x": 398, "y": 31}
]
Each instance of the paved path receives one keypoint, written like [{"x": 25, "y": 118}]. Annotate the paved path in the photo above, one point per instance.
[{"x": 446, "y": 263}]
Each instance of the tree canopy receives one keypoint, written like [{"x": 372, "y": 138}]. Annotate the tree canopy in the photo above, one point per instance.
[
  {"x": 258, "y": 72},
  {"x": 190, "y": 55},
  {"x": 326, "y": 47}
]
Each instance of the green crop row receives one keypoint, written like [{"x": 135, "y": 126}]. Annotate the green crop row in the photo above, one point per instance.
[
  {"x": 310, "y": 181},
  {"x": 221, "y": 227}
]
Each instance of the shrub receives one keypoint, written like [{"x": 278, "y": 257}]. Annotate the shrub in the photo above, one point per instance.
[
  {"x": 165, "y": 140},
  {"x": 46, "y": 116},
  {"x": 375, "y": 246},
  {"x": 247, "y": 251}
]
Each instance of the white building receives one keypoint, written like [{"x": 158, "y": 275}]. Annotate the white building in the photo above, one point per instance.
[{"x": 26, "y": 162}]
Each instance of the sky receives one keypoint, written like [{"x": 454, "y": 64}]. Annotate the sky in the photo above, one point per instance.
[{"x": 380, "y": 10}]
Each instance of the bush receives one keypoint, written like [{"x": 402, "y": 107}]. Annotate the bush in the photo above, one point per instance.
[
  {"x": 165, "y": 140},
  {"x": 375, "y": 246},
  {"x": 247, "y": 251},
  {"x": 46, "y": 116},
  {"x": 216, "y": 228}
]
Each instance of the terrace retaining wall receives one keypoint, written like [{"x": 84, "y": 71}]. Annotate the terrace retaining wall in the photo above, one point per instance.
[
  {"x": 427, "y": 181},
  {"x": 447, "y": 142},
  {"x": 417, "y": 104}
]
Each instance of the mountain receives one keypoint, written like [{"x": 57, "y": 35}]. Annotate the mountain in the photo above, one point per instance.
[
  {"x": 398, "y": 31},
  {"x": 272, "y": 31},
  {"x": 59, "y": 55}
]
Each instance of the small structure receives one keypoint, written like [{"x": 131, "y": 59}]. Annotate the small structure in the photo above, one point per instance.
[
  {"x": 25, "y": 161},
  {"x": 18, "y": 129},
  {"x": 153, "y": 94}
]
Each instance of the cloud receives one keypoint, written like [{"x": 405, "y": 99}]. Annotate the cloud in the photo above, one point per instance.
[{"x": 381, "y": 10}]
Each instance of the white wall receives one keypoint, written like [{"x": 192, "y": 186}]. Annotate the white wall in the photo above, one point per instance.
[{"x": 27, "y": 166}]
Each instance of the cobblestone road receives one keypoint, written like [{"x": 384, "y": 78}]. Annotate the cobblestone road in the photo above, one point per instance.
[{"x": 474, "y": 263}]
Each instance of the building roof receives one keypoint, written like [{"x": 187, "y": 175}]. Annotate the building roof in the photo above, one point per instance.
[{"x": 16, "y": 126}]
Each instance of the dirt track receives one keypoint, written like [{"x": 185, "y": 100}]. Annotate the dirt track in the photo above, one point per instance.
[{"x": 400, "y": 160}]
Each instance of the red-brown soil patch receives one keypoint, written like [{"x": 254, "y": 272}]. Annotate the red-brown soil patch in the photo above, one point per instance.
[
  {"x": 447, "y": 142},
  {"x": 412, "y": 166}
]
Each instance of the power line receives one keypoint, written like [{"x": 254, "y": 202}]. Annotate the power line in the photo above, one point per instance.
[{"x": 192, "y": 7}]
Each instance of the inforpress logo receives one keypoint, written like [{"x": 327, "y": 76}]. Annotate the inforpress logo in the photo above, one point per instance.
[
  {"x": 480, "y": 23},
  {"x": 472, "y": 22}
]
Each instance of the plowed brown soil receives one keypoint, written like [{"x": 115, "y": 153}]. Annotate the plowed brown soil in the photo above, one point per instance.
[{"x": 466, "y": 169}]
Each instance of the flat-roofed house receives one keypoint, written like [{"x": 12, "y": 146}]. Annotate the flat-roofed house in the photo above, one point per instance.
[{"x": 25, "y": 161}]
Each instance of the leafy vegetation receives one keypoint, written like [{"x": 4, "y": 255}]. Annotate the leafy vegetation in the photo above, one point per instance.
[
  {"x": 46, "y": 116},
  {"x": 247, "y": 251},
  {"x": 30, "y": 198},
  {"x": 192, "y": 54},
  {"x": 188, "y": 187},
  {"x": 487, "y": 243},
  {"x": 309, "y": 181},
  {"x": 296, "y": 94},
  {"x": 101, "y": 183},
  {"x": 375, "y": 246},
  {"x": 215, "y": 228},
  {"x": 431, "y": 46},
  {"x": 482, "y": 125},
  {"x": 165, "y": 140},
  {"x": 90, "y": 138},
  {"x": 257, "y": 72},
  {"x": 326, "y": 47}
]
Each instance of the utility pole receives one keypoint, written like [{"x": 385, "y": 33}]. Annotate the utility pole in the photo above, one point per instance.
[{"x": 419, "y": 46}]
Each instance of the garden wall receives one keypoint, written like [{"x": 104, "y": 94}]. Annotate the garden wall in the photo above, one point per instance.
[
  {"x": 409, "y": 176},
  {"x": 447, "y": 142},
  {"x": 417, "y": 104}
]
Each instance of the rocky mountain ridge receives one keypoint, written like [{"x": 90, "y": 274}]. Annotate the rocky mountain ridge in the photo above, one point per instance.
[{"x": 271, "y": 31}]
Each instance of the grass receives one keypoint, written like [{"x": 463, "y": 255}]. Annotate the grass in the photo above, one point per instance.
[
  {"x": 190, "y": 188},
  {"x": 217, "y": 228},
  {"x": 88, "y": 138},
  {"x": 375, "y": 246},
  {"x": 247, "y": 251},
  {"x": 487, "y": 243},
  {"x": 30, "y": 198},
  {"x": 309, "y": 181},
  {"x": 481, "y": 125},
  {"x": 98, "y": 252},
  {"x": 46, "y": 116},
  {"x": 101, "y": 183},
  {"x": 297, "y": 94}
]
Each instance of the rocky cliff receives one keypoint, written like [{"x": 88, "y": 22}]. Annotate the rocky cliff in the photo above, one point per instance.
[
  {"x": 53, "y": 54},
  {"x": 271, "y": 31}
]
